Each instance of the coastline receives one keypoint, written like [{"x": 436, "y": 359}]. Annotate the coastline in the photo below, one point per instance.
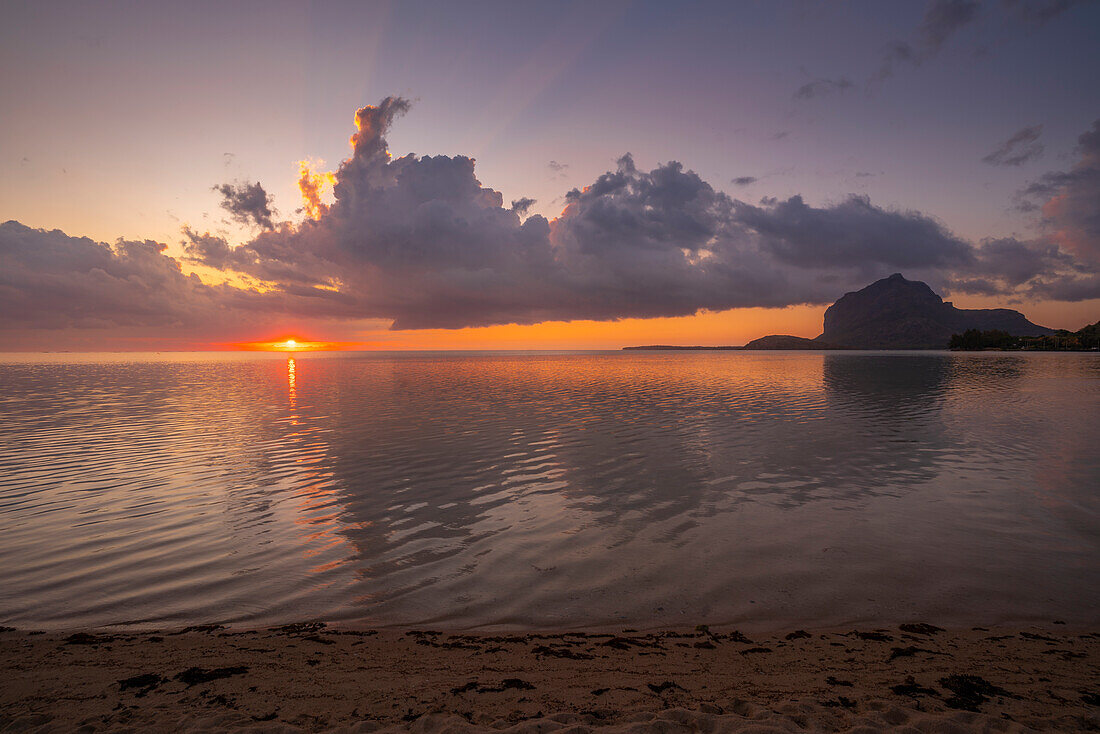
[{"x": 313, "y": 677}]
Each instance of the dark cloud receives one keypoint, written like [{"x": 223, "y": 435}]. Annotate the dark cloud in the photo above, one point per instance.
[
  {"x": 1066, "y": 288},
  {"x": 854, "y": 234},
  {"x": 744, "y": 180},
  {"x": 420, "y": 241},
  {"x": 522, "y": 205},
  {"x": 247, "y": 203},
  {"x": 51, "y": 280},
  {"x": 1014, "y": 262},
  {"x": 1037, "y": 269},
  {"x": 1018, "y": 149},
  {"x": 780, "y": 134},
  {"x": 1069, "y": 201},
  {"x": 207, "y": 249},
  {"x": 821, "y": 87}
]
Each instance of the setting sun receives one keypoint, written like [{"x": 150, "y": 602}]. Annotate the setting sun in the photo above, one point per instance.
[{"x": 290, "y": 344}]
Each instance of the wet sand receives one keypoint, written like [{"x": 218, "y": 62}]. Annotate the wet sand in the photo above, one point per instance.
[{"x": 316, "y": 678}]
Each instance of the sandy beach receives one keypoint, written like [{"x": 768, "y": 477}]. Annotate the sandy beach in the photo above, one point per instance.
[{"x": 311, "y": 677}]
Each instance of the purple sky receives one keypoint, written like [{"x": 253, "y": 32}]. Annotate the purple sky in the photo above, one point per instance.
[{"x": 964, "y": 126}]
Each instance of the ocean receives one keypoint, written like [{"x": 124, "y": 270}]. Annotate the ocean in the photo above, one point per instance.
[{"x": 549, "y": 490}]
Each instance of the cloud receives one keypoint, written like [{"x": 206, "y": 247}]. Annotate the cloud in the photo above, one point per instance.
[
  {"x": 557, "y": 170},
  {"x": 247, "y": 203},
  {"x": 1014, "y": 262},
  {"x": 821, "y": 87},
  {"x": 854, "y": 234},
  {"x": 1040, "y": 12},
  {"x": 419, "y": 241},
  {"x": 207, "y": 249},
  {"x": 1067, "y": 288},
  {"x": 1018, "y": 149},
  {"x": 312, "y": 185},
  {"x": 744, "y": 180},
  {"x": 522, "y": 205},
  {"x": 51, "y": 280},
  {"x": 1069, "y": 201},
  {"x": 942, "y": 20},
  {"x": 1034, "y": 269}
]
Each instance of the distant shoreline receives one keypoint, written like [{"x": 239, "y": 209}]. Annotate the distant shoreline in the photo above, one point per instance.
[{"x": 672, "y": 347}]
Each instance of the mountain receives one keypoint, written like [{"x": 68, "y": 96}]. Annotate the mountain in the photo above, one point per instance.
[{"x": 895, "y": 313}]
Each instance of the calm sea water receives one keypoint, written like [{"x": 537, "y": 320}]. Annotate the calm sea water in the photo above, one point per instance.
[{"x": 550, "y": 490}]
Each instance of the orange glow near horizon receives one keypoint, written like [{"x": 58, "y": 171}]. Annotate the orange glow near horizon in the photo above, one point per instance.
[
  {"x": 721, "y": 328},
  {"x": 292, "y": 344},
  {"x": 725, "y": 328}
]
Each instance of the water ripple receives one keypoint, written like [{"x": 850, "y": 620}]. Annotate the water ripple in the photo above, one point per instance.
[{"x": 548, "y": 489}]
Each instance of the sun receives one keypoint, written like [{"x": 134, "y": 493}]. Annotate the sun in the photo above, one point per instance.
[{"x": 293, "y": 344}]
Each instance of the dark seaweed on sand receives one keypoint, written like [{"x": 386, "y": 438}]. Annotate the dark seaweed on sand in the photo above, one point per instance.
[
  {"x": 970, "y": 691},
  {"x": 194, "y": 676}
]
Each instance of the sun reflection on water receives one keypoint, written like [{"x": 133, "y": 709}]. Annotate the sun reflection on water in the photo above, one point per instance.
[{"x": 290, "y": 380}]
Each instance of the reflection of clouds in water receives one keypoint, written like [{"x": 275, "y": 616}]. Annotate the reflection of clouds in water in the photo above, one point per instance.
[
  {"x": 863, "y": 427},
  {"x": 405, "y": 487},
  {"x": 551, "y": 474},
  {"x": 449, "y": 470},
  {"x": 437, "y": 459},
  {"x": 435, "y": 455},
  {"x": 624, "y": 442}
]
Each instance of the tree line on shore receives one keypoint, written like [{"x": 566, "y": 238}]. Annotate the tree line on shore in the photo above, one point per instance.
[{"x": 1062, "y": 340}]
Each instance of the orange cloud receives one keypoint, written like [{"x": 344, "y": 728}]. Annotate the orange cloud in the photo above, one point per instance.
[{"x": 313, "y": 185}]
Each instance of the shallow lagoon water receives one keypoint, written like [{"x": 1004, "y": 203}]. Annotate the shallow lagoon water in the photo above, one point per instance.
[{"x": 550, "y": 490}]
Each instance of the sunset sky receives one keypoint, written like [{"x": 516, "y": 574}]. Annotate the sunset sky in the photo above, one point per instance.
[{"x": 536, "y": 175}]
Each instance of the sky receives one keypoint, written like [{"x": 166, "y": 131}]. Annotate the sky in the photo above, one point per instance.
[{"x": 536, "y": 175}]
